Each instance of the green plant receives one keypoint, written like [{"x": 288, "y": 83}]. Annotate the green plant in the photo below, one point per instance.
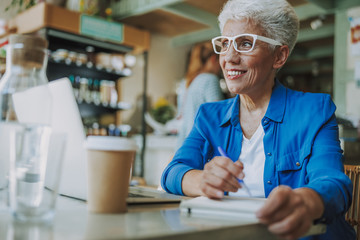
[
  {"x": 163, "y": 114},
  {"x": 162, "y": 111},
  {"x": 21, "y": 4},
  {"x": 2, "y": 53}
]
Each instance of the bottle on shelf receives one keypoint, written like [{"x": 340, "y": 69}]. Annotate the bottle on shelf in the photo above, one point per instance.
[
  {"x": 103, "y": 131},
  {"x": 113, "y": 95},
  {"x": 83, "y": 89},
  {"x": 72, "y": 81},
  {"x": 111, "y": 130},
  {"x": 121, "y": 130},
  {"x": 95, "y": 129},
  {"x": 108, "y": 93},
  {"x": 124, "y": 129},
  {"x": 95, "y": 94},
  {"x": 88, "y": 98},
  {"x": 104, "y": 93},
  {"x": 76, "y": 87}
]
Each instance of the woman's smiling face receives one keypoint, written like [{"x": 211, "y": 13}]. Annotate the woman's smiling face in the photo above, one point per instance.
[{"x": 246, "y": 73}]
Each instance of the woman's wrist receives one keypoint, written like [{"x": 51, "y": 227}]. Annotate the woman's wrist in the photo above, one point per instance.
[{"x": 191, "y": 183}]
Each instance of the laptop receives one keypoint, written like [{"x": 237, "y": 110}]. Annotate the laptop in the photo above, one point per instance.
[
  {"x": 141, "y": 195},
  {"x": 66, "y": 118}
]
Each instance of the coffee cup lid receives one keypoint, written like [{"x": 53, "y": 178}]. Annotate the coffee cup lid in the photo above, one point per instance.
[{"x": 110, "y": 143}]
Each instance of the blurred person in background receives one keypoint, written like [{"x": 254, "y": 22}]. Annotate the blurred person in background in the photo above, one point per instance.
[{"x": 201, "y": 84}]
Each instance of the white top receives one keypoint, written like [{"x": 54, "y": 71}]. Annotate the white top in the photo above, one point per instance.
[{"x": 253, "y": 157}]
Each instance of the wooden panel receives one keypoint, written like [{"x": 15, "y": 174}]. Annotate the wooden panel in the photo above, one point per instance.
[
  {"x": 46, "y": 15},
  {"x": 210, "y": 6},
  {"x": 214, "y": 6},
  {"x": 163, "y": 22},
  {"x": 171, "y": 25},
  {"x": 51, "y": 16},
  {"x": 136, "y": 38}
]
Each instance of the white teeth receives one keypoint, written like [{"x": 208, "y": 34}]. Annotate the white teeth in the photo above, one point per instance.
[{"x": 234, "y": 73}]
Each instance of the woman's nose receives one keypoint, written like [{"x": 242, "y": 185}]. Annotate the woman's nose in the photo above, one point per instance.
[{"x": 231, "y": 55}]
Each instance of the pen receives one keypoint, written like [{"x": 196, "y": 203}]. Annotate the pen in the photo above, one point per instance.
[{"x": 241, "y": 181}]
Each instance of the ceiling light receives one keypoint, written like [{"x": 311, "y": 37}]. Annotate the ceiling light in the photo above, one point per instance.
[
  {"x": 318, "y": 22},
  {"x": 315, "y": 24}
]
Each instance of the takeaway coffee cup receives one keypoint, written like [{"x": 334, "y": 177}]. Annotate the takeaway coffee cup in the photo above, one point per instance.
[{"x": 109, "y": 165}]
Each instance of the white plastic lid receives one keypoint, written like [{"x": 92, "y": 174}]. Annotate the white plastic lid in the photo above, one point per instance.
[{"x": 110, "y": 143}]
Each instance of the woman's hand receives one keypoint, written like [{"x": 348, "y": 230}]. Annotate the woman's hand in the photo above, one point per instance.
[
  {"x": 290, "y": 213},
  {"x": 219, "y": 176}
]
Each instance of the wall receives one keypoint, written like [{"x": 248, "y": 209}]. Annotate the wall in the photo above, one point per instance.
[
  {"x": 6, "y": 15},
  {"x": 344, "y": 65},
  {"x": 166, "y": 66},
  {"x": 353, "y": 87}
]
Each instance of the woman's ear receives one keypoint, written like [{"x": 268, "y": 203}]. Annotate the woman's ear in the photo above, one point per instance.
[{"x": 281, "y": 55}]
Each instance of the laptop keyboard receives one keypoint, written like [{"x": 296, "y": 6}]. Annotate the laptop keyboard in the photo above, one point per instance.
[{"x": 134, "y": 195}]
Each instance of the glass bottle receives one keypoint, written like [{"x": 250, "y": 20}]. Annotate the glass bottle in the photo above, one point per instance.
[{"x": 25, "y": 103}]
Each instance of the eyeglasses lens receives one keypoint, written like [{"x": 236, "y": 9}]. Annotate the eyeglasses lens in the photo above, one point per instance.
[
  {"x": 243, "y": 43},
  {"x": 221, "y": 44}
]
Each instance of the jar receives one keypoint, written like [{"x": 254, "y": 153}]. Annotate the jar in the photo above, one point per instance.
[
  {"x": 26, "y": 61},
  {"x": 60, "y": 55},
  {"x": 81, "y": 59}
]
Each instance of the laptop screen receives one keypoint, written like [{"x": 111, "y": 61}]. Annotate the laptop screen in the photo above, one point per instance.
[{"x": 66, "y": 119}]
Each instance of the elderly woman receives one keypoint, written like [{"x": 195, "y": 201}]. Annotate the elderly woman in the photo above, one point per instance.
[{"x": 283, "y": 143}]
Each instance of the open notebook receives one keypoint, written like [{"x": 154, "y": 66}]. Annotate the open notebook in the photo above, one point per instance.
[
  {"x": 241, "y": 210},
  {"x": 228, "y": 207},
  {"x": 66, "y": 118}
]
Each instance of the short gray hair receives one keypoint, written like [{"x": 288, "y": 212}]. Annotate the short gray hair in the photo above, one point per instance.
[{"x": 277, "y": 18}]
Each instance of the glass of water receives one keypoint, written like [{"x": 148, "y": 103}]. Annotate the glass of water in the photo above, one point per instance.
[
  {"x": 24, "y": 99},
  {"x": 35, "y": 166}
]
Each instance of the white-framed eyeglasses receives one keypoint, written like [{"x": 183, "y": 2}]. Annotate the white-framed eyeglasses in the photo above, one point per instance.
[{"x": 242, "y": 43}]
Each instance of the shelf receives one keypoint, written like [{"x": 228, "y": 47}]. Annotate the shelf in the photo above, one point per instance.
[
  {"x": 85, "y": 41},
  {"x": 65, "y": 70},
  {"x": 90, "y": 109},
  {"x": 119, "y": 106},
  {"x": 78, "y": 43}
]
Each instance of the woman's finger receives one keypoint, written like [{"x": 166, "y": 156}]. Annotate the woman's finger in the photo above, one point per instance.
[
  {"x": 226, "y": 163},
  {"x": 217, "y": 180},
  {"x": 211, "y": 191}
]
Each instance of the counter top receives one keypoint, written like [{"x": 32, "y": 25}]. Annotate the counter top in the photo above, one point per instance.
[
  {"x": 141, "y": 222},
  {"x": 73, "y": 221}
]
